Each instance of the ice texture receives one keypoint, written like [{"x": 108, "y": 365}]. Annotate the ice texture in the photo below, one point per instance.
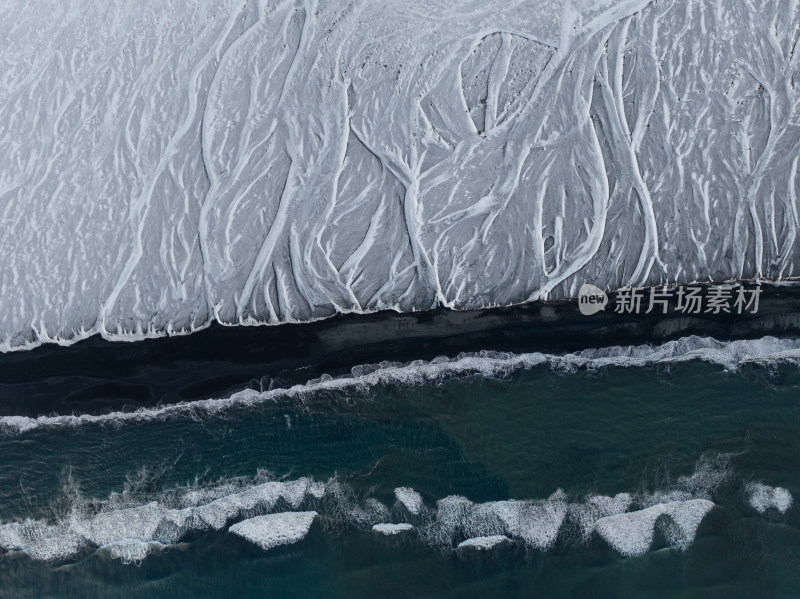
[
  {"x": 164, "y": 164},
  {"x": 273, "y": 530}
]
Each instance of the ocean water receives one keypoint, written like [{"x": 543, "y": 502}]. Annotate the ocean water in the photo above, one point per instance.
[{"x": 631, "y": 472}]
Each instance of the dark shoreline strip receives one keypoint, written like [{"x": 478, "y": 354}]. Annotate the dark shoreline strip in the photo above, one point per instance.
[{"x": 97, "y": 376}]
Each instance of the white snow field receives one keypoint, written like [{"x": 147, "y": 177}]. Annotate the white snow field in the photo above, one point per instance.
[{"x": 166, "y": 163}]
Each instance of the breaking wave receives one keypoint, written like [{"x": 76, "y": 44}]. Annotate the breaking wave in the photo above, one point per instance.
[
  {"x": 728, "y": 354},
  {"x": 131, "y": 525}
]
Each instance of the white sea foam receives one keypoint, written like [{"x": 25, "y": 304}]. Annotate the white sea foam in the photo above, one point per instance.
[
  {"x": 61, "y": 545},
  {"x": 536, "y": 522},
  {"x": 596, "y": 507},
  {"x": 632, "y": 533},
  {"x": 273, "y": 530},
  {"x": 132, "y": 551},
  {"x": 109, "y": 527},
  {"x": 132, "y": 529},
  {"x": 711, "y": 470},
  {"x": 316, "y": 489},
  {"x": 729, "y": 355},
  {"x": 41, "y": 541},
  {"x": 392, "y": 529},
  {"x": 13, "y": 535},
  {"x": 129, "y": 525},
  {"x": 483, "y": 543},
  {"x": 409, "y": 498},
  {"x": 763, "y": 498}
]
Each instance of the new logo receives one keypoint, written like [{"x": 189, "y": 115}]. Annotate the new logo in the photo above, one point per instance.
[{"x": 591, "y": 300}]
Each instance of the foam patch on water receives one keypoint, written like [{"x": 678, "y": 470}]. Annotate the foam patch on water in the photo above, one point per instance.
[
  {"x": 596, "y": 507},
  {"x": 535, "y": 522},
  {"x": 483, "y": 543},
  {"x": 632, "y": 533},
  {"x": 130, "y": 525},
  {"x": 763, "y": 498},
  {"x": 41, "y": 541},
  {"x": 392, "y": 529},
  {"x": 274, "y": 530},
  {"x": 132, "y": 551},
  {"x": 131, "y": 532},
  {"x": 409, "y": 498},
  {"x": 729, "y": 355}
]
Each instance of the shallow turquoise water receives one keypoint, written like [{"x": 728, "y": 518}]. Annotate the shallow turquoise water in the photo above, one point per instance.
[{"x": 609, "y": 431}]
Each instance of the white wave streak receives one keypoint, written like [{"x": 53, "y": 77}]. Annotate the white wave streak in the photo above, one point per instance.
[
  {"x": 729, "y": 355},
  {"x": 130, "y": 527}
]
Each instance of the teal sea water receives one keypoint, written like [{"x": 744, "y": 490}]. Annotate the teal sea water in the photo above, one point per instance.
[{"x": 120, "y": 507}]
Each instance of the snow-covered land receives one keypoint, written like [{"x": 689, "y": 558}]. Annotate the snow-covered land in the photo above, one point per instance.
[{"x": 165, "y": 163}]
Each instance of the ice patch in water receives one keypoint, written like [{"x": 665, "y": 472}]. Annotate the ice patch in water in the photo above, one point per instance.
[
  {"x": 409, "y": 498},
  {"x": 632, "y": 533},
  {"x": 392, "y": 529},
  {"x": 273, "y": 530},
  {"x": 763, "y": 497},
  {"x": 483, "y": 543}
]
